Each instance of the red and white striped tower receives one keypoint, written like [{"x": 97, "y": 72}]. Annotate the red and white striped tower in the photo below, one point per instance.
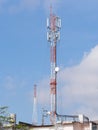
[
  {"x": 53, "y": 35},
  {"x": 35, "y": 106}
]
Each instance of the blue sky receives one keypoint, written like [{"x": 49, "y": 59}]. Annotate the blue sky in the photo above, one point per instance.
[{"x": 25, "y": 57}]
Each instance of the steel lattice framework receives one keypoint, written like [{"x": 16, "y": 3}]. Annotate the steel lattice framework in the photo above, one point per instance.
[
  {"x": 53, "y": 36},
  {"x": 35, "y": 106}
]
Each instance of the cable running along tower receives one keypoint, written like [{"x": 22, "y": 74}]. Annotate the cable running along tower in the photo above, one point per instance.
[{"x": 53, "y": 36}]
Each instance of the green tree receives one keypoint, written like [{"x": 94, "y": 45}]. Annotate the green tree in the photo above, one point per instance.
[
  {"x": 21, "y": 127},
  {"x": 3, "y": 115}
]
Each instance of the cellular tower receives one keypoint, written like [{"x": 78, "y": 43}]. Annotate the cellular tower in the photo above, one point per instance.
[
  {"x": 53, "y": 36},
  {"x": 35, "y": 107}
]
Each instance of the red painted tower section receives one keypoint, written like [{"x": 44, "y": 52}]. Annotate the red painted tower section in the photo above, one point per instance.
[{"x": 53, "y": 35}]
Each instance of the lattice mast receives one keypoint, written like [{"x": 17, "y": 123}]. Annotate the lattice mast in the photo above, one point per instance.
[
  {"x": 35, "y": 106},
  {"x": 53, "y": 36}
]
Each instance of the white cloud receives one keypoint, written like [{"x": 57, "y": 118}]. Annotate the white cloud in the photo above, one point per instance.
[
  {"x": 9, "y": 82},
  {"x": 55, "y": 4},
  {"x": 12, "y": 83},
  {"x": 43, "y": 93},
  {"x": 2, "y": 3},
  {"x": 80, "y": 84},
  {"x": 77, "y": 87},
  {"x": 22, "y": 5},
  {"x": 29, "y": 5},
  {"x": 84, "y": 4}
]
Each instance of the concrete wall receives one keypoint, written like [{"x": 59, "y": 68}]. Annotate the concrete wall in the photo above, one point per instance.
[
  {"x": 67, "y": 126},
  {"x": 42, "y": 128}
]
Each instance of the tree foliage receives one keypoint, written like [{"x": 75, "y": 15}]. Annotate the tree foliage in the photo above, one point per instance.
[
  {"x": 21, "y": 127},
  {"x": 3, "y": 114},
  {"x": 4, "y": 118}
]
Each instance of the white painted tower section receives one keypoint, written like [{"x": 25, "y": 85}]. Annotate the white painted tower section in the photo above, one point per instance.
[
  {"x": 35, "y": 106},
  {"x": 53, "y": 35}
]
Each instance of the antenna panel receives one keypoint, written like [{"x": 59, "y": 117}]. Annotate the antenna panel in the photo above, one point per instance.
[
  {"x": 58, "y": 22},
  {"x": 49, "y": 36},
  {"x": 57, "y": 35}
]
